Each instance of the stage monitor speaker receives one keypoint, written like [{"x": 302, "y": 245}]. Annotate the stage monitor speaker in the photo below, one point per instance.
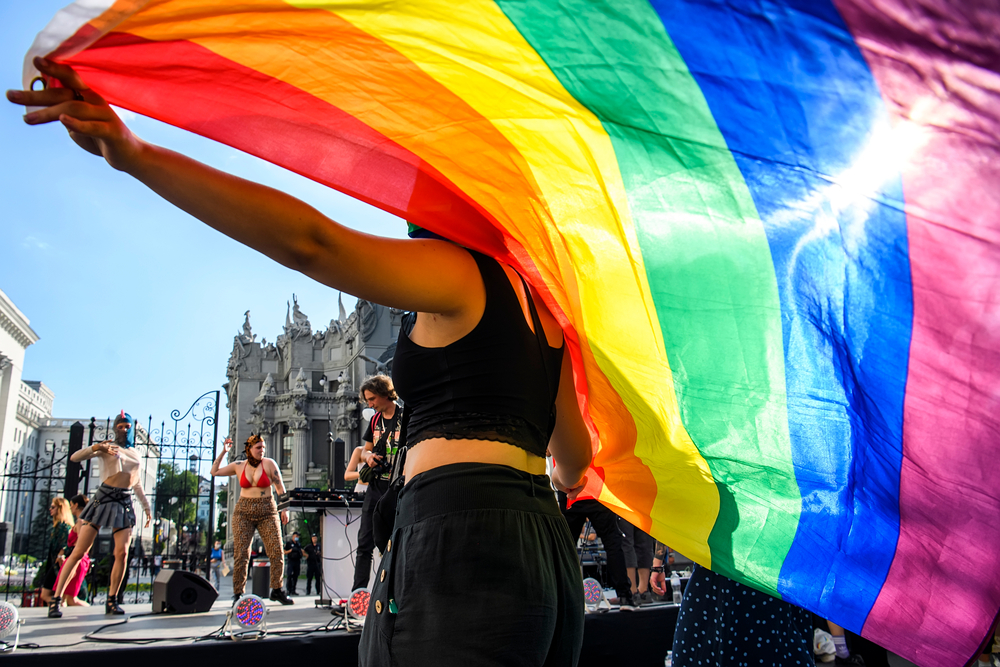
[
  {"x": 339, "y": 464},
  {"x": 182, "y": 592}
]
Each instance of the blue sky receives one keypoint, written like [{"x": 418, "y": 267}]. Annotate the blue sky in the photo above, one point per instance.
[{"x": 136, "y": 303}]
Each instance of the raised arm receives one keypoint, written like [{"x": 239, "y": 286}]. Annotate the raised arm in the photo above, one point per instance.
[
  {"x": 90, "y": 452},
  {"x": 226, "y": 470},
  {"x": 419, "y": 275}
]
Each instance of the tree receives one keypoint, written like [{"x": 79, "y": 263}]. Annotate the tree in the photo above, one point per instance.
[
  {"x": 41, "y": 527},
  {"x": 221, "y": 524},
  {"x": 176, "y": 494}
]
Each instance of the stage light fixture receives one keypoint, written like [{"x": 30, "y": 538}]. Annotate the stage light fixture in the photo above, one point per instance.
[
  {"x": 250, "y": 613},
  {"x": 357, "y": 604},
  {"x": 593, "y": 596},
  {"x": 10, "y": 623}
]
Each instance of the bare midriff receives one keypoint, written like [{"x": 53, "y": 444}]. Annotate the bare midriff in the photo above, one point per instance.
[
  {"x": 121, "y": 480},
  {"x": 435, "y": 452}
]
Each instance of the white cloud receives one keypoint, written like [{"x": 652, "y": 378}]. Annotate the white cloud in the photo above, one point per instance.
[{"x": 34, "y": 243}]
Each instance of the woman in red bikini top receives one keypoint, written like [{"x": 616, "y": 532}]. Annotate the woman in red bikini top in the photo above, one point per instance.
[
  {"x": 256, "y": 475},
  {"x": 255, "y": 510}
]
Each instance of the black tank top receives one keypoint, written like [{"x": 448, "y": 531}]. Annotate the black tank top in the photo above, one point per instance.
[{"x": 498, "y": 382}]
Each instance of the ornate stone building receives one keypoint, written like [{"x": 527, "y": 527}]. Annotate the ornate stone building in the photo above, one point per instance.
[{"x": 291, "y": 390}]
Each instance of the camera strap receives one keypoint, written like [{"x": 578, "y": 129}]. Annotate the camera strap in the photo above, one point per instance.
[{"x": 380, "y": 447}]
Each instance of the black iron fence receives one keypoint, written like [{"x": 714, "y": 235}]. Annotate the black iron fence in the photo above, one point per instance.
[{"x": 177, "y": 455}]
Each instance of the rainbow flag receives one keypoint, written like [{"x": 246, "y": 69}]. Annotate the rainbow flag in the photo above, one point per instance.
[{"x": 769, "y": 229}]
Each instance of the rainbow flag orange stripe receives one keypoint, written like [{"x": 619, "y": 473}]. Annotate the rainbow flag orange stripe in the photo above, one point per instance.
[{"x": 771, "y": 241}]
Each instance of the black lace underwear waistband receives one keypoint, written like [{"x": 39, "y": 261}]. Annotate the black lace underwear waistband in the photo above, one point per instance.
[{"x": 511, "y": 430}]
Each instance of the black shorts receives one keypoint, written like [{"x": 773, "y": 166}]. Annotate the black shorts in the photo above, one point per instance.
[{"x": 481, "y": 569}]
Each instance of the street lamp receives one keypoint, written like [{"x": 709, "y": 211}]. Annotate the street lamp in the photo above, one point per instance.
[{"x": 325, "y": 382}]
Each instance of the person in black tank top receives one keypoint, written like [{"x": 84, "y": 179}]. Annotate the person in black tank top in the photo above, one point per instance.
[
  {"x": 480, "y": 553},
  {"x": 481, "y": 567},
  {"x": 498, "y": 382}
]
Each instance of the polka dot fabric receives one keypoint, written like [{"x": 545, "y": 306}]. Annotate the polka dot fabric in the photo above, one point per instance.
[{"x": 722, "y": 622}]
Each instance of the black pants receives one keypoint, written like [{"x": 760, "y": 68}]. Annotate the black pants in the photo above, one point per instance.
[
  {"x": 605, "y": 522},
  {"x": 293, "y": 573},
  {"x": 366, "y": 538},
  {"x": 314, "y": 571},
  {"x": 480, "y": 570},
  {"x": 637, "y": 545}
]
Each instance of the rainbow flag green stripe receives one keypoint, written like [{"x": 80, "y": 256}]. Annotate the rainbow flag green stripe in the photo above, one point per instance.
[{"x": 706, "y": 258}]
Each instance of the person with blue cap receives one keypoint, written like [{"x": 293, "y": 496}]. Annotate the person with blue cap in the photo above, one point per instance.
[{"x": 111, "y": 507}]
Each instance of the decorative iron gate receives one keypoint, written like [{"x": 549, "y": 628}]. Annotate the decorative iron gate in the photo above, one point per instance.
[{"x": 177, "y": 454}]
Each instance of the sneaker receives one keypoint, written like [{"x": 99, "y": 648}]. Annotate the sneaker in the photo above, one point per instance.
[
  {"x": 645, "y": 598},
  {"x": 627, "y": 603},
  {"x": 853, "y": 660},
  {"x": 278, "y": 595},
  {"x": 823, "y": 646}
]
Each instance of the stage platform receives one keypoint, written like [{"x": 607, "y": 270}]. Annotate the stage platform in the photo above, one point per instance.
[{"x": 300, "y": 632}]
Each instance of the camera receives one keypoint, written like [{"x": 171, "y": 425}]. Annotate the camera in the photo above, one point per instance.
[{"x": 381, "y": 467}]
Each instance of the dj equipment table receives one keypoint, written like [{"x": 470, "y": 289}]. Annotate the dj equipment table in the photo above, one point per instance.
[{"x": 341, "y": 518}]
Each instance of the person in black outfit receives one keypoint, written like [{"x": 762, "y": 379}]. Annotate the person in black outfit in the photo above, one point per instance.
[
  {"x": 314, "y": 565},
  {"x": 479, "y": 552},
  {"x": 381, "y": 440},
  {"x": 605, "y": 523},
  {"x": 293, "y": 555},
  {"x": 487, "y": 381}
]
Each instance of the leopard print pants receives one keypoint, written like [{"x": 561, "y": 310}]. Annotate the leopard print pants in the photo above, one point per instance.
[{"x": 260, "y": 514}]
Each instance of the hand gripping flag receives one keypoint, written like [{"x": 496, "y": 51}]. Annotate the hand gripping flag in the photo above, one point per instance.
[{"x": 769, "y": 230}]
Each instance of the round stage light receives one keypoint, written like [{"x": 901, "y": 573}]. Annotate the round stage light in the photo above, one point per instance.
[
  {"x": 357, "y": 604},
  {"x": 592, "y": 591},
  {"x": 10, "y": 624},
  {"x": 249, "y": 611}
]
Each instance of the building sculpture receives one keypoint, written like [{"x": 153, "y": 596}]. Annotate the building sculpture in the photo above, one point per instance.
[{"x": 304, "y": 385}]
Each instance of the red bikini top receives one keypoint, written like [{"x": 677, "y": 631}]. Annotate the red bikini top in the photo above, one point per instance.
[{"x": 261, "y": 483}]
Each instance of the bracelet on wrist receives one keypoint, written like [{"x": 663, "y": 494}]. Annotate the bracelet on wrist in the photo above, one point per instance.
[{"x": 658, "y": 568}]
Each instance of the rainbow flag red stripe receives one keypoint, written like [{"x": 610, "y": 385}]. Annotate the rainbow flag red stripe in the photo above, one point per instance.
[{"x": 769, "y": 230}]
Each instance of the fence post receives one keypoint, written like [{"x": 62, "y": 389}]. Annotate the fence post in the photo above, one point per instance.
[
  {"x": 71, "y": 486},
  {"x": 86, "y": 478},
  {"x": 210, "y": 538}
]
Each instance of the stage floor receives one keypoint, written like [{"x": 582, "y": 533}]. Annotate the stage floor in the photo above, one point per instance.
[
  {"x": 109, "y": 632},
  {"x": 300, "y": 632}
]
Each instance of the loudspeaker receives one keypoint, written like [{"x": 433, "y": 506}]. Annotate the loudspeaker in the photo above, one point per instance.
[
  {"x": 339, "y": 466},
  {"x": 182, "y": 592}
]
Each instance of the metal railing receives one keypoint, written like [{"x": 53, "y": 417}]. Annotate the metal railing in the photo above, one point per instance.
[{"x": 177, "y": 455}]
